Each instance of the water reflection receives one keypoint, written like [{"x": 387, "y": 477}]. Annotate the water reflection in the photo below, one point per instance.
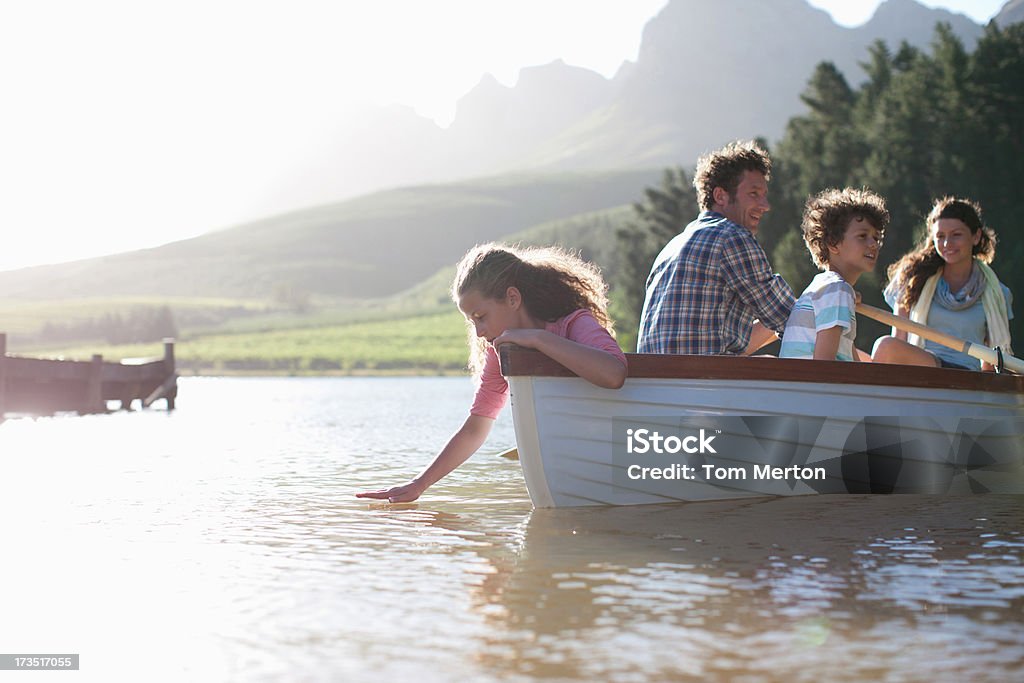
[
  {"x": 859, "y": 587},
  {"x": 228, "y": 531}
]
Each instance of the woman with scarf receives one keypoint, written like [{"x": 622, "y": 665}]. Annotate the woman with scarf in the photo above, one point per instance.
[{"x": 947, "y": 284}]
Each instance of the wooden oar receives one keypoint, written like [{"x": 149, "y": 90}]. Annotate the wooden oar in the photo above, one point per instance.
[
  {"x": 979, "y": 351},
  {"x": 511, "y": 453}
]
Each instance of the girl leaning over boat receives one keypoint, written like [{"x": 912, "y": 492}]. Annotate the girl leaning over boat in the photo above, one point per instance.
[
  {"x": 946, "y": 283},
  {"x": 540, "y": 298}
]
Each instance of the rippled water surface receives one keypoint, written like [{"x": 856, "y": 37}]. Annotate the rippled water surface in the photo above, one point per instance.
[{"x": 223, "y": 542}]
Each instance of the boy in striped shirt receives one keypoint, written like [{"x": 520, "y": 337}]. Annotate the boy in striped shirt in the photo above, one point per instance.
[{"x": 843, "y": 230}]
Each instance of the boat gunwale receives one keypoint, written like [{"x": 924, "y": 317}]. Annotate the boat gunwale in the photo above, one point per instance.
[{"x": 517, "y": 362}]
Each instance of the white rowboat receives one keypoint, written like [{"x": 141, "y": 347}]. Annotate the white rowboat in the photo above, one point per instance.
[{"x": 766, "y": 426}]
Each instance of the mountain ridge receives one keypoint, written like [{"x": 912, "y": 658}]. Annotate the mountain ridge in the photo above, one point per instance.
[
  {"x": 646, "y": 114},
  {"x": 646, "y": 117}
]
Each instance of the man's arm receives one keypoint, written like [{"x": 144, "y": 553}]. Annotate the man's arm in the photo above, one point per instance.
[
  {"x": 750, "y": 275},
  {"x": 760, "y": 336}
]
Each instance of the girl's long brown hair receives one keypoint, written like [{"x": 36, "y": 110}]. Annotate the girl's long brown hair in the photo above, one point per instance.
[
  {"x": 914, "y": 269},
  {"x": 553, "y": 282}
]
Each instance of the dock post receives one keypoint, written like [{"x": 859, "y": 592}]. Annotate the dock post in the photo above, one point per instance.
[
  {"x": 94, "y": 402},
  {"x": 172, "y": 375},
  {"x": 128, "y": 394},
  {"x": 3, "y": 375}
]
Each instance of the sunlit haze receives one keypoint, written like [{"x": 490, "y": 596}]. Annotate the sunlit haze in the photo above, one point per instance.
[{"x": 128, "y": 124}]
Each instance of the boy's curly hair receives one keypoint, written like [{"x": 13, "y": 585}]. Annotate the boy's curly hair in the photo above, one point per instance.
[
  {"x": 828, "y": 214},
  {"x": 724, "y": 168}
]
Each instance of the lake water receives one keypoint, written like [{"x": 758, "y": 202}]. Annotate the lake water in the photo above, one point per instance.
[{"x": 223, "y": 542}]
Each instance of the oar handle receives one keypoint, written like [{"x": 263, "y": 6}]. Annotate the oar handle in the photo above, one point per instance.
[
  {"x": 920, "y": 330},
  {"x": 979, "y": 351}
]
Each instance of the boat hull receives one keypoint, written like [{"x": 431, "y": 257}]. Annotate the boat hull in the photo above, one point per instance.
[{"x": 583, "y": 445}]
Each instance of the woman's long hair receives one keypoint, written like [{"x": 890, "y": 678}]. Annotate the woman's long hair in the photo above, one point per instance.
[
  {"x": 553, "y": 282},
  {"x": 914, "y": 269}
]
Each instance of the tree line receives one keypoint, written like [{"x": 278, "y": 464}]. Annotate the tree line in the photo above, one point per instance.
[
  {"x": 923, "y": 124},
  {"x": 139, "y": 325}
]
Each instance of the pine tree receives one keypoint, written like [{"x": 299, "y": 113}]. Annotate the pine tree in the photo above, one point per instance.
[
  {"x": 663, "y": 214},
  {"x": 921, "y": 126}
]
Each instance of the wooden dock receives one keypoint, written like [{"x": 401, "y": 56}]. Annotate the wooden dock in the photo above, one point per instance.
[{"x": 36, "y": 386}]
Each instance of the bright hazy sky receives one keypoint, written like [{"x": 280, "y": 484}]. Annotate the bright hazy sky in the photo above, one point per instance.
[{"x": 135, "y": 123}]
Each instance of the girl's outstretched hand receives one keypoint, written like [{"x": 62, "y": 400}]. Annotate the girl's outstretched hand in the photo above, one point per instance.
[{"x": 396, "y": 494}]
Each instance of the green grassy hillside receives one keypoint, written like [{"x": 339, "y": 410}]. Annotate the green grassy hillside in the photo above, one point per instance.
[
  {"x": 369, "y": 247},
  {"x": 433, "y": 343},
  {"x": 417, "y": 330}
]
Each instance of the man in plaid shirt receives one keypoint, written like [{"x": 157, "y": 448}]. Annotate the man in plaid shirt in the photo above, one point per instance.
[{"x": 711, "y": 290}]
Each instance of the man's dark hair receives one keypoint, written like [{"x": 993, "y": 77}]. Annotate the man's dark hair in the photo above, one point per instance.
[{"x": 724, "y": 168}]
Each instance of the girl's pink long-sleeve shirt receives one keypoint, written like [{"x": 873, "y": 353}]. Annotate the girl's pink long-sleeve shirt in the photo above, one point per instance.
[{"x": 579, "y": 326}]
